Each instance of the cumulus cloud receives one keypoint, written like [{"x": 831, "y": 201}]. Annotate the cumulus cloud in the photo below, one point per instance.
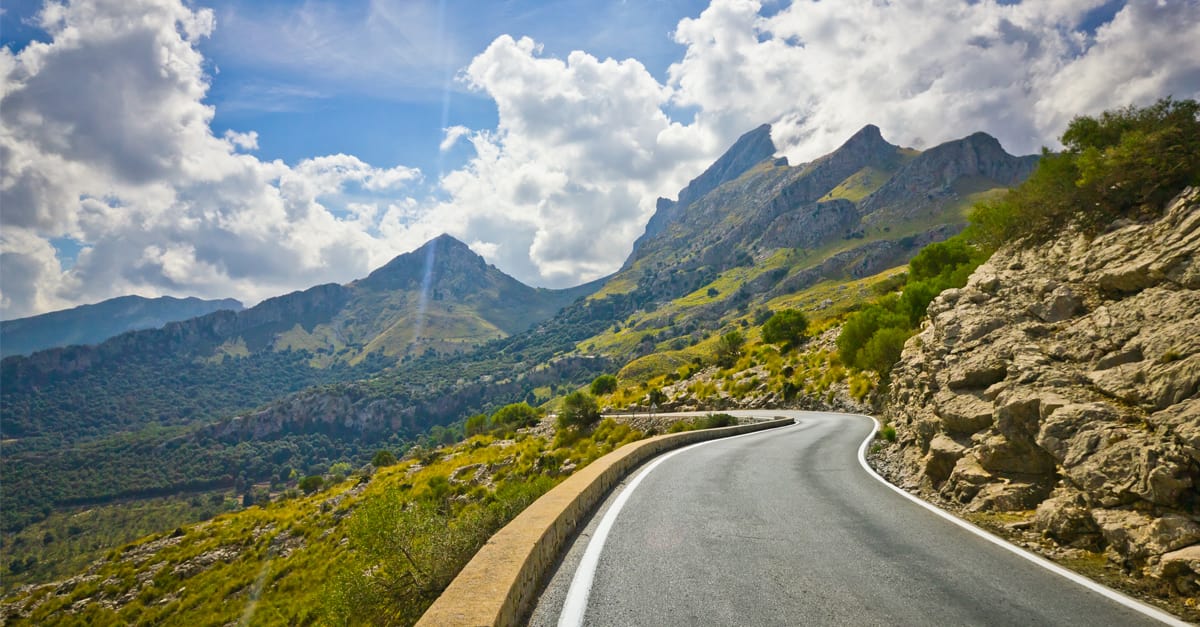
[
  {"x": 926, "y": 72},
  {"x": 561, "y": 188},
  {"x": 453, "y": 134},
  {"x": 106, "y": 138}
]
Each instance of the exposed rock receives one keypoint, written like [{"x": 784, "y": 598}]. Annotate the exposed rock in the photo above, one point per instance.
[
  {"x": 1065, "y": 378},
  {"x": 1067, "y": 519}
]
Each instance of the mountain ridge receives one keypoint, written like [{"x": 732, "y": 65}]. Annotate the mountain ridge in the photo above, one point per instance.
[{"x": 96, "y": 322}]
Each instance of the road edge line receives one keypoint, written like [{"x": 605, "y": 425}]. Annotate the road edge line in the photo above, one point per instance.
[{"x": 1099, "y": 588}]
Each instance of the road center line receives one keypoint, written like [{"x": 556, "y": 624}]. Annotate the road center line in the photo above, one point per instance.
[
  {"x": 575, "y": 605},
  {"x": 1109, "y": 593}
]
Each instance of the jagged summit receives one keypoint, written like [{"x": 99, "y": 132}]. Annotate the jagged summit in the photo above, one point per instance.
[{"x": 749, "y": 149}]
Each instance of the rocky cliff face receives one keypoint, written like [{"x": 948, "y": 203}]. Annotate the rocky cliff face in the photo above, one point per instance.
[{"x": 1064, "y": 382}]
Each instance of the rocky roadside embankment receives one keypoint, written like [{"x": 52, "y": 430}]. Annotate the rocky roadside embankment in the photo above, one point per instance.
[{"x": 1062, "y": 385}]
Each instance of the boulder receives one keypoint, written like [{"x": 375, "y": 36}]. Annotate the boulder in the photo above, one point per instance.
[
  {"x": 942, "y": 456},
  {"x": 1067, "y": 520},
  {"x": 962, "y": 413}
]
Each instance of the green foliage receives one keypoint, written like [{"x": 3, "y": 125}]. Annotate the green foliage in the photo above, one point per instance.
[
  {"x": 785, "y": 327},
  {"x": 729, "y": 348},
  {"x": 83, "y": 535},
  {"x": 579, "y": 410},
  {"x": 888, "y": 432},
  {"x": 711, "y": 421},
  {"x": 383, "y": 458},
  {"x": 883, "y": 349},
  {"x": 604, "y": 384},
  {"x": 476, "y": 425},
  {"x": 516, "y": 415},
  {"x": 339, "y": 471},
  {"x": 873, "y": 337},
  {"x": 656, "y": 397},
  {"x": 311, "y": 483},
  {"x": 1125, "y": 163},
  {"x": 859, "y": 328}
]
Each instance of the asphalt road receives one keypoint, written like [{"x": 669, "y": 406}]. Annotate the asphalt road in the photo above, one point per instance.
[{"x": 785, "y": 527}]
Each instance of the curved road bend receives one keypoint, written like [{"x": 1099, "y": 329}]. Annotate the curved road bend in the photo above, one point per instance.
[{"x": 784, "y": 527}]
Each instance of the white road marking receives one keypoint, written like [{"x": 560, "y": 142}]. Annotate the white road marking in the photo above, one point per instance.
[
  {"x": 1105, "y": 591},
  {"x": 581, "y": 584}
]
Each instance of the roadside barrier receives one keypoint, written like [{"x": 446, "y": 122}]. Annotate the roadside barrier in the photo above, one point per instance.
[{"x": 499, "y": 585}]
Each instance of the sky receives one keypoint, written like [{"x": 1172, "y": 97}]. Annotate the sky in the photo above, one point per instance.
[{"x": 247, "y": 149}]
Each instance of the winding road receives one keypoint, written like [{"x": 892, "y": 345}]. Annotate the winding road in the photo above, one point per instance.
[{"x": 787, "y": 527}]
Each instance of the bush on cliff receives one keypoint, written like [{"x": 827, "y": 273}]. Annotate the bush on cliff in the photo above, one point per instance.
[{"x": 1123, "y": 163}]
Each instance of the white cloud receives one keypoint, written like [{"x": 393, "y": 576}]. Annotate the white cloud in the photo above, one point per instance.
[
  {"x": 106, "y": 139},
  {"x": 926, "y": 71},
  {"x": 453, "y": 134},
  {"x": 558, "y": 192}
]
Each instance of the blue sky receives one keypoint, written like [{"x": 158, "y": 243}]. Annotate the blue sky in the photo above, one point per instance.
[
  {"x": 391, "y": 108},
  {"x": 244, "y": 149}
]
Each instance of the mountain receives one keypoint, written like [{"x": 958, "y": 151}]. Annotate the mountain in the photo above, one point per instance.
[
  {"x": 440, "y": 297},
  {"x": 92, "y": 324},
  {"x": 435, "y": 335},
  {"x": 764, "y": 231},
  {"x": 749, "y": 230},
  {"x": 111, "y": 399}
]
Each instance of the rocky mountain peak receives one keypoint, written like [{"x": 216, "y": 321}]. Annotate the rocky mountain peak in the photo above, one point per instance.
[
  {"x": 441, "y": 257},
  {"x": 748, "y": 151},
  {"x": 745, "y": 153}
]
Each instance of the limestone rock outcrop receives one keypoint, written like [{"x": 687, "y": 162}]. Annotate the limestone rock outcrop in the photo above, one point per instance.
[{"x": 1064, "y": 379}]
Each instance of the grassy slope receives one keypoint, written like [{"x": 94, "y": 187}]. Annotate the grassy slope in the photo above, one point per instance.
[{"x": 273, "y": 565}]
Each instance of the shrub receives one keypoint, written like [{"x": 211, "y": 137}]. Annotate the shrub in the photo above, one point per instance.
[
  {"x": 882, "y": 351},
  {"x": 311, "y": 483},
  {"x": 604, "y": 384},
  {"x": 476, "y": 425},
  {"x": 579, "y": 409},
  {"x": 729, "y": 348},
  {"x": 785, "y": 327},
  {"x": 383, "y": 458},
  {"x": 516, "y": 415},
  {"x": 1126, "y": 162}
]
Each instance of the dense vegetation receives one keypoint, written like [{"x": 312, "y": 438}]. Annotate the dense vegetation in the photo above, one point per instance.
[
  {"x": 872, "y": 338},
  {"x": 374, "y": 549},
  {"x": 1123, "y": 163}
]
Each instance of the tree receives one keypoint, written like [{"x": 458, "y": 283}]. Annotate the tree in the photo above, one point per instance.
[
  {"x": 729, "y": 348},
  {"x": 311, "y": 483},
  {"x": 785, "y": 327},
  {"x": 656, "y": 397},
  {"x": 1124, "y": 163},
  {"x": 476, "y": 424},
  {"x": 339, "y": 470},
  {"x": 516, "y": 415},
  {"x": 604, "y": 384},
  {"x": 383, "y": 457},
  {"x": 579, "y": 409}
]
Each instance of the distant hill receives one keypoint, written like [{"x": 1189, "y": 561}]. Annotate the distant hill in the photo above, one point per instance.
[
  {"x": 92, "y": 324},
  {"x": 440, "y": 298}
]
